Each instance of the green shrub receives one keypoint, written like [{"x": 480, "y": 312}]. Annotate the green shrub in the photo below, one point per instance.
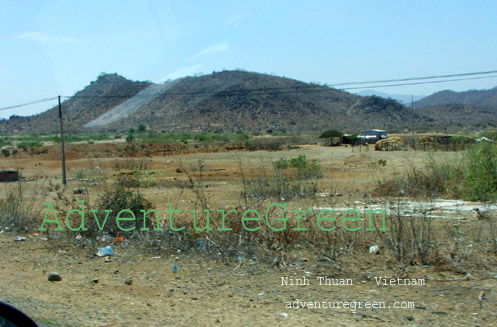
[
  {"x": 481, "y": 172},
  {"x": 304, "y": 167},
  {"x": 27, "y": 144},
  {"x": 330, "y": 133},
  {"x": 4, "y": 141},
  {"x": 5, "y": 152},
  {"x": 268, "y": 144},
  {"x": 473, "y": 177},
  {"x": 121, "y": 197}
]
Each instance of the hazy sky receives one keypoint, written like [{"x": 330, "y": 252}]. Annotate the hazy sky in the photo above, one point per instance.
[{"x": 57, "y": 47}]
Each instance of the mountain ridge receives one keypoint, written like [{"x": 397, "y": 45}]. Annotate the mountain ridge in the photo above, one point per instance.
[
  {"x": 228, "y": 101},
  {"x": 485, "y": 98}
]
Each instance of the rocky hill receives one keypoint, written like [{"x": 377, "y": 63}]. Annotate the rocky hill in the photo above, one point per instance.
[
  {"x": 227, "y": 100},
  {"x": 486, "y": 98}
]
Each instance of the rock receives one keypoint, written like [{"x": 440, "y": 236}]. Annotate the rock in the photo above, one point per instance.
[
  {"x": 54, "y": 277},
  {"x": 94, "y": 280},
  {"x": 128, "y": 281},
  {"x": 79, "y": 190}
]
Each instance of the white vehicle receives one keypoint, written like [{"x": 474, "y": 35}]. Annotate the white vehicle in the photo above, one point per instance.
[{"x": 373, "y": 135}]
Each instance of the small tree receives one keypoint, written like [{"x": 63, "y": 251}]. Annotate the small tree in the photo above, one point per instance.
[
  {"x": 330, "y": 133},
  {"x": 142, "y": 128}
]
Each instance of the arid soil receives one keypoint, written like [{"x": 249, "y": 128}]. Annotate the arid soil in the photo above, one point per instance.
[
  {"x": 206, "y": 292},
  {"x": 138, "y": 286}
]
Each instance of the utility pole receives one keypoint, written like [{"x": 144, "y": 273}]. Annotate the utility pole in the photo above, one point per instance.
[
  {"x": 62, "y": 145},
  {"x": 412, "y": 119}
]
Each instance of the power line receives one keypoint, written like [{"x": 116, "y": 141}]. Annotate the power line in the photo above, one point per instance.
[
  {"x": 296, "y": 89},
  {"x": 419, "y": 83},
  {"x": 29, "y": 103},
  {"x": 419, "y": 78},
  {"x": 304, "y": 89}
]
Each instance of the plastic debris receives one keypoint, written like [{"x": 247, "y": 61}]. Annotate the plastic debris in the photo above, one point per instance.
[
  {"x": 20, "y": 238},
  {"x": 426, "y": 266},
  {"x": 106, "y": 251},
  {"x": 374, "y": 249},
  {"x": 175, "y": 268},
  {"x": 119, "y": 239}
]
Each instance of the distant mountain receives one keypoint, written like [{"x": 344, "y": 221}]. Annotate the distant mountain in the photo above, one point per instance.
[
  {"x": 457, "y": 116},
  {"x": 405, "y": 99},
  {"x": 486, "y": 98},
  {"x": 227, "y": 100}
]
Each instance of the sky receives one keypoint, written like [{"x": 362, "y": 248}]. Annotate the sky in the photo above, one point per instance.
[{"x": 57, "y": 47}]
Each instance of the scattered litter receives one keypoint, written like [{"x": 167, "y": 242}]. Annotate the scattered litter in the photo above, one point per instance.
[
  {"x": 426, "y": 266},
  {"x": 108, "y": 260},
  {"x": 78, "y": 237},
  {"x": 119, "y": 239},
  {"x": 106, "y": 251},
  {"x": 284, "y": 314},
  {"x": 260, "y": 294},
  {"x": 157, "y": 257},
  {"x": 200, "y": 244},
  {"x": 19, "y": 238},
  {"x": 374, "y": 249},
  {"x": 175, "y": 268},
  {"x": 128, "y": 281}
]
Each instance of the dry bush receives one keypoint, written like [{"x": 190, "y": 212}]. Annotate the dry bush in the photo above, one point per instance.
[
  {"x": 131, "y": 164},
  {"x": 285, "y": 180},
  {"x": 17, "y": 211}
]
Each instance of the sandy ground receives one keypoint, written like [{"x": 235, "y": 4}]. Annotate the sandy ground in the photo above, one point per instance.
[
  {"x": 211, "y": 291},
  {"x": 207, "y": 292}
]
